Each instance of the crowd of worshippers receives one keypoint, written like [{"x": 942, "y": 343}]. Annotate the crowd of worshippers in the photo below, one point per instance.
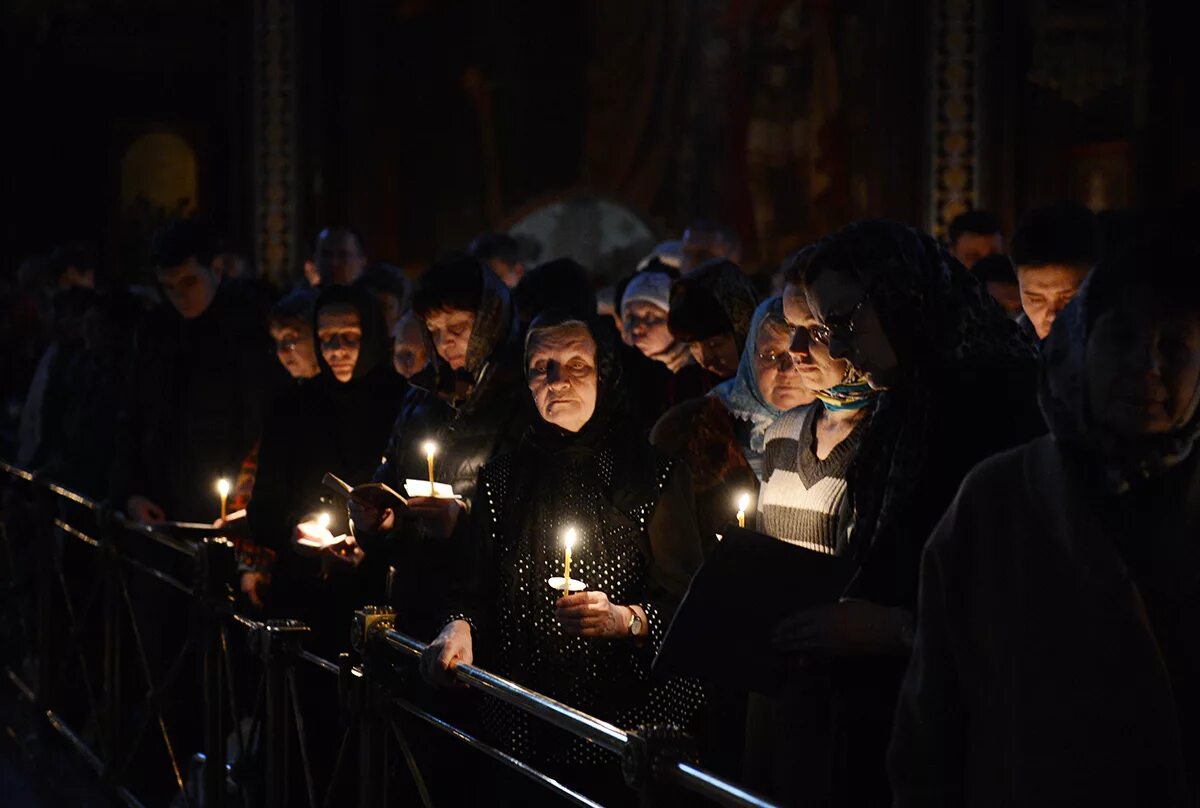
[{"x": 998, "y": 436}]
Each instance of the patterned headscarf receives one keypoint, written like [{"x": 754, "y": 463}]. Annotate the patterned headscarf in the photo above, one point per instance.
[
  {"x": 1063, "y": 396},
  {"x": 937, "y": 318},
  {"x": 741, "y": 395},
  {"x": 853, "y": 393}
]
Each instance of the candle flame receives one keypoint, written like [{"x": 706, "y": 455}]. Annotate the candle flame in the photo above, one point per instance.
[
  {"x": 430, "y": 448},
  {"x": 323, "y": 521},
  {"x": 743, "y": 502},
  {"x": 223, "y": 487},
  {"x": 570, "y": 538}
]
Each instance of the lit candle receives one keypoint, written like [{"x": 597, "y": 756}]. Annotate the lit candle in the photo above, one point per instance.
[
  {"x": 223, "y": 490},
  {"x": 743, "y": 504},
  {"x": 568, "y": 543},
  {"x": 323, "y": 521},
  {"x": 430, "y": 450}
]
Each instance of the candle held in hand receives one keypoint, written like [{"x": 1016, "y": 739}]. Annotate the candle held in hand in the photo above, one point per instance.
[
  {"x": 323, "y": 521},
  {"x": 430, "y": 450},
  {"x": 743, "y": 504},
  {"x": 223, "y": 490}
]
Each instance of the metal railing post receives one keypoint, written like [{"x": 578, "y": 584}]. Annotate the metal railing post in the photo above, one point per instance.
[
  {"x": 216, "y": 568},
  {"x": 278, "y": 644},
  {"x": 373, "y": 741},
  {"x": 112, "y": 702}
]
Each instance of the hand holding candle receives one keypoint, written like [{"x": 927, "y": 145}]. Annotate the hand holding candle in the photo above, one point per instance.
[
  {"x": 743, "y": 504},
  {"x": 430, "y": 450},
  {"x": 223, "y": 490}
]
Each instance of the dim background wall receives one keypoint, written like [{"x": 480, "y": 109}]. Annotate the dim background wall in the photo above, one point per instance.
[{"x": 425, "y": 122}]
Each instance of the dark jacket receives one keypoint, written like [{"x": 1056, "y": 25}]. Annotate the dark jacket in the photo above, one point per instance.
[
  {"x": 1049, "y": 667},
  {"x": 195, "y": 406},
  {"x": 472, "y": 416}
]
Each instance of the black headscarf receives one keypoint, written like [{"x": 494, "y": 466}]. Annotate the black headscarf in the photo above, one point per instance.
[
  {"x": 374, "y": 350},
  {"x": 943, "y": 325},
  {"x": 1109, "y": 466},
  {"x": 491, "y": 339}
]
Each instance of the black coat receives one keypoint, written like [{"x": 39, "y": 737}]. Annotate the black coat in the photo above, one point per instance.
[{"x": 197, "y": 395}]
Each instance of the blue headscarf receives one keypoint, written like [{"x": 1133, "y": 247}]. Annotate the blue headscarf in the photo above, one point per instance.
[{"x": 741, "y": 395}]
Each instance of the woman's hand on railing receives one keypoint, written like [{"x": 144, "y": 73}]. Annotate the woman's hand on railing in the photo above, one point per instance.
[
  {"x": 451, "y": 647},
  {"x": 145, "y": 511}
]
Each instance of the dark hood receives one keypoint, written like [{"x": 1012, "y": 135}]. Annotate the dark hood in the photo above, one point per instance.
[{"x": 375, "y": 348}]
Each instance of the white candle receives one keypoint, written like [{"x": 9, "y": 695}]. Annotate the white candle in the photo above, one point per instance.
[{"x": 743, "y": 504}]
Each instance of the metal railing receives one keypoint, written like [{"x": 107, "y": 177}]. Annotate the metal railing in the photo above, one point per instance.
[{"x": 375, "y": 704}]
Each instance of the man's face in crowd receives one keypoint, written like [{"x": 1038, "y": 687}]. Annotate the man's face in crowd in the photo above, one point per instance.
[
  {"x": 450, "y": 330},
  {"x": 340, "y": 258},
  {"x": 409, "y": 353},
  {"x": 1046, "y": 290},
  {"x": 340, "y": 333},
  {"x": 190, "y": 287},
  {"x": 295, "y": 350},
  {"x": 699, "y": 246},
  {"x": 646, "y": 327},
  {"x": 562, "y": 376},
  {"x": 1143, "y": 366},
  {"x": 718, "y": 354},
  {"x": 508, "y": 271},
  {"x": 1008, "y": 295},
  {"x": 779, "y": 379},
  {"x": 969, "y": 248}
]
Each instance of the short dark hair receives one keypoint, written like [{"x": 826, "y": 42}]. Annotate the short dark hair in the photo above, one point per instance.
[
  {"x": 386, "y": 278},
  {"x": 78, "y": 255},
  {"x": 456, "y": 283},
  {"x": 979, "y": 222},
  {"x": 1060, "y": 233},
  {"x": 181, "y": 239},
  {"x": 996, "y": 268},
  {"x": 695, "y": 314},
  {"x": 349, "y": 231},
  {"x": 487, "y": 246}
]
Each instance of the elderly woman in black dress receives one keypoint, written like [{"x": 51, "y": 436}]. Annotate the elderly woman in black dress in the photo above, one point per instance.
[{"x": 578, "y": 466}]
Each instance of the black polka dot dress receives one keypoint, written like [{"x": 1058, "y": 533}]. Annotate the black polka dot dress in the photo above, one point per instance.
[{"x": 637, "y": 543}]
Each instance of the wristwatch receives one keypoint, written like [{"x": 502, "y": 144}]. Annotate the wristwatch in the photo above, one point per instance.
[{"x": 637, "y": 626}]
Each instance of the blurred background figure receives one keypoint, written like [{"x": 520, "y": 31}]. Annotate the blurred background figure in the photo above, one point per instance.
[
  {"x": 341, "y": 256},
  {"x": 502, "y": 255},
  {"x": 997, "y": 274},
  {"x": 973, "y": 236}
]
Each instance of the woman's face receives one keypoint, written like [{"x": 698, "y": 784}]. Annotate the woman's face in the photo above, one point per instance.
[
  {"x": 561, "y": 372},
  {"x": 340, "y": 333},
  {"x": 1143, "y": 367},
  {"x": 646, "y": 327},
  {"x": 451, "y": 330},
  {"x": 718, "y": 354},
  {"x": 778, "y": 380},
  {"x": 295, "y": 350},
  {"x": 818, "y": 370},
  {"x": 851, "y": 327},
  {"x": 409, "y": 353}
]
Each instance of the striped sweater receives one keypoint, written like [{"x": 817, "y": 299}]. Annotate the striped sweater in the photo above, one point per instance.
[{"x": 802, "y": 498}]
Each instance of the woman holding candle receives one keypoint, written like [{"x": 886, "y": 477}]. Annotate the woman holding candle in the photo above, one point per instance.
[
  {"x": 334, "y": 423},
  {"x": 468, "y": 403},
  {"x": 722, "y": 435},
  {"x": 636, "y": 547}
]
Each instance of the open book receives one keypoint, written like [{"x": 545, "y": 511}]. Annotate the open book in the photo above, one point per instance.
[
  {"x": 375, "y": 495},
  {"x": 420, "y": 488}
]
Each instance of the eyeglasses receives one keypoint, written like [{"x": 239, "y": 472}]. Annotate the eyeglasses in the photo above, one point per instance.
[
  {"x": 782, "y": 361},
  {"x": 286, "y": 345},
  {"x": 839, "y": 326}
]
